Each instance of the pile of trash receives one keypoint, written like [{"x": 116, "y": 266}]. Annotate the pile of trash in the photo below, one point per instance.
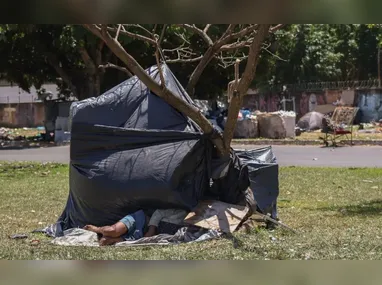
[
  {"x": 245, "y": 114},
  {"x": 21, "y": 137},
  {"x": 10, "y": 135},
  {"x": 251, "y": 124},
  {"x": 371, "y": 128},
  {"x": 275, "y": 125},
  {"x": 215, "y": 111},
  {"x": 310, "y": 121},
  {"x": 246, "y": 125}
]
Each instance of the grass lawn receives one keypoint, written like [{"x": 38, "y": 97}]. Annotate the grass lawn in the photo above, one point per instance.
[
  {"x": 337, "y": 213},
  {"x": 356, "y": 136},
  {"x": 315, "y": 136}
]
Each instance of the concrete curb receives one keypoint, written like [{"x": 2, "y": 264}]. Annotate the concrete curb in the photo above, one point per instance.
[
  {"x": 234, "y": 142},
  {"x": 23, "y": 145},
  {"x": 304, "y": 142}
]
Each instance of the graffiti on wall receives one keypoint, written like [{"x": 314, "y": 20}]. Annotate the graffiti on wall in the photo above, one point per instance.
[
  {"x": 305, "y": 102},
  {"x": 9, "y": 115},
  {"x": 370, "y": 105},
  {"x": 369, "y": 102},
  {"x": 22, "y": 115}
]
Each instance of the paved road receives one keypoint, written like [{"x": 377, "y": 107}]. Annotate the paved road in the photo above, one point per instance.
[
  {"x": 357, "y": 156},
  {"x": 49, "y": 154}
]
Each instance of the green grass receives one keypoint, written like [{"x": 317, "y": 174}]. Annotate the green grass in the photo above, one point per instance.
[{"x": 337, "y": 213}]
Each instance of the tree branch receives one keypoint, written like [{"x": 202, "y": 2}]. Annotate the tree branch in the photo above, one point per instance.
[
  {"x": 272, "y": 54},
  {"x": 87, "y": 60},
  {"x": 98, "y": 52},
  {"x": 100, "y": 45},
  {"x": 184, "y": 54},
  {"x": 132, "y": 35},
  {"x": 103, "y": 29},
  {"x": 110, "y": 65},
  {"x": 254, "y": 51},
  {"x": 54, "y": 62},
  {"x": 94, "y": 29},
  {"x": 227, "y": 61},
  {"x": 200, "y": 32},
  {"x": 228, "y": 31},
  {"x": 277, "y": 27},
  {"x": 178, "y": 103},
  {"x": 246, "y": 31},
  {"x": 157, "y": 52},
  {"x": 251, "y": 36},
  {"x": 183, "y": 60},
  {"x": 162, "y": 34},
  {"x": 244, "y": 83},
  {"x": 237, "y": 45},
  {"x": 206, "y": 28},
  {"x": 162, "y": 81},
  {"x": 118, "y": 30},
  {"x": 142, "y": 28},
  {"x": 212, "y": 51}
]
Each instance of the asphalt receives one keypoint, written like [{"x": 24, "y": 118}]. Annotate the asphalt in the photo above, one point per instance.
[{"x": 356, "y": 156}]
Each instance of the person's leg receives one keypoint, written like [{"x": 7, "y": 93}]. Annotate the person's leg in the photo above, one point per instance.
[
  {"x": 151, "y": 231},
  {"x": 172, "y": 217},
  {"x": 113, "y": 231}
]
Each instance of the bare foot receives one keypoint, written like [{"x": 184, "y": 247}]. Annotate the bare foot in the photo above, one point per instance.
[
  {"x": 104, "y": 241},
  {"x": 93, "y": 229}
]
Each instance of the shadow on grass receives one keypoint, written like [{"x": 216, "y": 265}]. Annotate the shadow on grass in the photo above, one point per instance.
[{"x": 370, "y": 208}]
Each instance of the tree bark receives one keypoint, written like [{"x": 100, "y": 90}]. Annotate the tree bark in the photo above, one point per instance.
[
  {"x": 198, "y": 71},
  {"x": 97, "y": 84},
  {"x": 92, "y": 71},
  {"x": 244, "y": 83},
  {"x": 53, "y": 61}
]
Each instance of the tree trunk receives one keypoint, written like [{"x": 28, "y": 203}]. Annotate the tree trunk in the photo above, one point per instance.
[
  {"x": 197, "y": 73},
  {"x": 89, "y": 87},
  {"x": 93, "y": 73},
  {"x": 97, "y": 84},
  {"x": 244, "y": 83},
  {"x": 53, "y": 61}
]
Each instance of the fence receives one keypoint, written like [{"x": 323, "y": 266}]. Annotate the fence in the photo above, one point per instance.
[
  {"x": 19, "y": 99},
  {"x": 316, "y": 86}
]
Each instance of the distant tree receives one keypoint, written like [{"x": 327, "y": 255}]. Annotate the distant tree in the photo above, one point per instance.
[
  {"x": 64, "y": 54},
  {"x": 311, "y": 52}
]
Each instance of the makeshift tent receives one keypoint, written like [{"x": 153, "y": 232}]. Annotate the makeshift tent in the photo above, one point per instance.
[
  {"x": 263, "y": 175},
  {"x": 131, "y": 150},
  {"x": 311, "y": 121}
]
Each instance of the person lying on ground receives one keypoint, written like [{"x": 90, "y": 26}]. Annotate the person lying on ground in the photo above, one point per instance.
[{"x": 133, "y": 226}]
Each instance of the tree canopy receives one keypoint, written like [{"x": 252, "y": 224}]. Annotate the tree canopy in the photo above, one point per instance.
[
  {"x": 324, "y": 53},
  {"x": 82, "y": 65}
]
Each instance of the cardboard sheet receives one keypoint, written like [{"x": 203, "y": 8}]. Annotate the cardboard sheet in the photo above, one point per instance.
[{"x": 217, "y": 215}]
